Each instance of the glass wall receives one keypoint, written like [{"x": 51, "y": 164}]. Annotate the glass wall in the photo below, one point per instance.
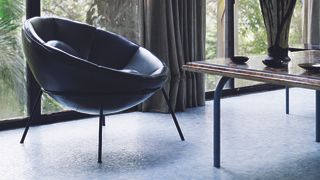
[
  {"x": 119, "y": 16},
  {"x": 123, "y": 17},
  {"x": 70, "y": 9},
  {"x": 12, "y": 64},
  {"x": 212, "y": 41},
  {"x": 250, "y": 38},
  {"x": 251, "y": 35}
]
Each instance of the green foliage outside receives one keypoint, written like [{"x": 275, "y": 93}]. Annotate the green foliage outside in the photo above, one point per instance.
[
  {"x": 252, "y": 38},
  {"x": 295, "y": 38},
  {"x": 70, "y": 9},
  {"x": 12, "y": 80},
  {"x": 211, "y": 29}
]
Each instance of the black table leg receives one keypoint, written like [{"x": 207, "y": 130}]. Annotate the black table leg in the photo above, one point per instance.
[
  {"x": 216, "y": 121},
  {"x": 317, "y": 116},
  {"x": 287, "y": 100}
]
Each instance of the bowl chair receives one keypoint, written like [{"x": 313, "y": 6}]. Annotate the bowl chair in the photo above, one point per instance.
[{"x": 90, "y": 70}]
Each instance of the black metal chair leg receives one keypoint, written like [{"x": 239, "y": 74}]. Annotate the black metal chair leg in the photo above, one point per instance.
[
  {"x": 173, "y": 114},
  {"x": 31, "y": 117},
  {"x": 103, "y": 121},
  {"x": 101, "y": 118}
]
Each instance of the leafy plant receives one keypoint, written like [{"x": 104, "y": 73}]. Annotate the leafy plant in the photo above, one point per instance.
[
  {"x": 252, "y": 36},
  {"x": 119, "y": 16},
  {"x": 11, "y": 56},
  {"x": 211, "y": 29}
]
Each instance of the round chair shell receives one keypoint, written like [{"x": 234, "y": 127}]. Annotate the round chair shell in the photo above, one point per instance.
[{"x": 95, "y": 70}]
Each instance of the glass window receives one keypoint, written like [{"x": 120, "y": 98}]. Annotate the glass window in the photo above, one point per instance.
[
  {"x": 119, "y": 16},
  {"x": 12, "y": 64},
  {"x": 295, "y": 38},
  {"x": 251, "y": 38},
  {"x": 250, "y": 35},
  {"x": 70, "y": 9},
  {"x": 214, "y": 25}
]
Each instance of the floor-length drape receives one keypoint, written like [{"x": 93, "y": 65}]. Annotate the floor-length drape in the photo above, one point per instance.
[
  {"x": 311, "y": 22},
  {"x": 174, "y": 31}
]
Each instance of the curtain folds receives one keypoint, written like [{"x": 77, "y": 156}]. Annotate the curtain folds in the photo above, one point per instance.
[
  {"x": 311, "y": 22},
  {"x": 174, "y": 30}
]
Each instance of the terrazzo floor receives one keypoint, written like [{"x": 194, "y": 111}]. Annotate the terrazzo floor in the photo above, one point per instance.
[{"x": 259, "y": 141}]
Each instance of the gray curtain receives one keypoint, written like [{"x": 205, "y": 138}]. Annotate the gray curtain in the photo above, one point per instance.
[
  {"x": 312, "y": 22},
  {"x": 174, "y": 30}
]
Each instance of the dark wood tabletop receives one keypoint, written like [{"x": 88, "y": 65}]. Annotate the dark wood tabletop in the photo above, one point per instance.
[{"x": 254, "y": 69}]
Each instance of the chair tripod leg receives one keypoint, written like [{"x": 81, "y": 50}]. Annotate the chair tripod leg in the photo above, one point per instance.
[
  {"x": 31, "y": 117},
  {"x": 101, "y": 120},
  {"x": 104, "y": 121},
  {"x": 173, "y": 114}
]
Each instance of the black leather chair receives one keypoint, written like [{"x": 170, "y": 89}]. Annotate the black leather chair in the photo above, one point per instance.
[{"x": 90, "y": 70}]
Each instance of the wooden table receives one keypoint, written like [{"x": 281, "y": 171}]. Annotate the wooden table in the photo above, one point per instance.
[{"x": 291, "y": 76}]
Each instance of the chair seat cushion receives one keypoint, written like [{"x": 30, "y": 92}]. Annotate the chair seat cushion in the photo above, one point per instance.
[
  {"x": 63, "y": 47},
  {"x": 145, "y": 63}
]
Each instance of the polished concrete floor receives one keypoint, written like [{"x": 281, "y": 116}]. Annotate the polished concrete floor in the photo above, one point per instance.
[{"x": 259, "y": 141}]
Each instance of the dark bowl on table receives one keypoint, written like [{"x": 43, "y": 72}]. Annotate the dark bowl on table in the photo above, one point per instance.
[
  {"x": 310, "y": 66},
  {"x": 239, "y": 59}
]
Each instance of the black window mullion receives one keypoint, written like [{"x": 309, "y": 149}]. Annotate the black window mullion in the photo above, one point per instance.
[
  {"x": 32, "y": 9},
  {"x": 229, "y": 34}
]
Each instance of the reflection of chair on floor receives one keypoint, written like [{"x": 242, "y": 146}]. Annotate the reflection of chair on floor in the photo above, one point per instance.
[{"x": 89, "y": 70}]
